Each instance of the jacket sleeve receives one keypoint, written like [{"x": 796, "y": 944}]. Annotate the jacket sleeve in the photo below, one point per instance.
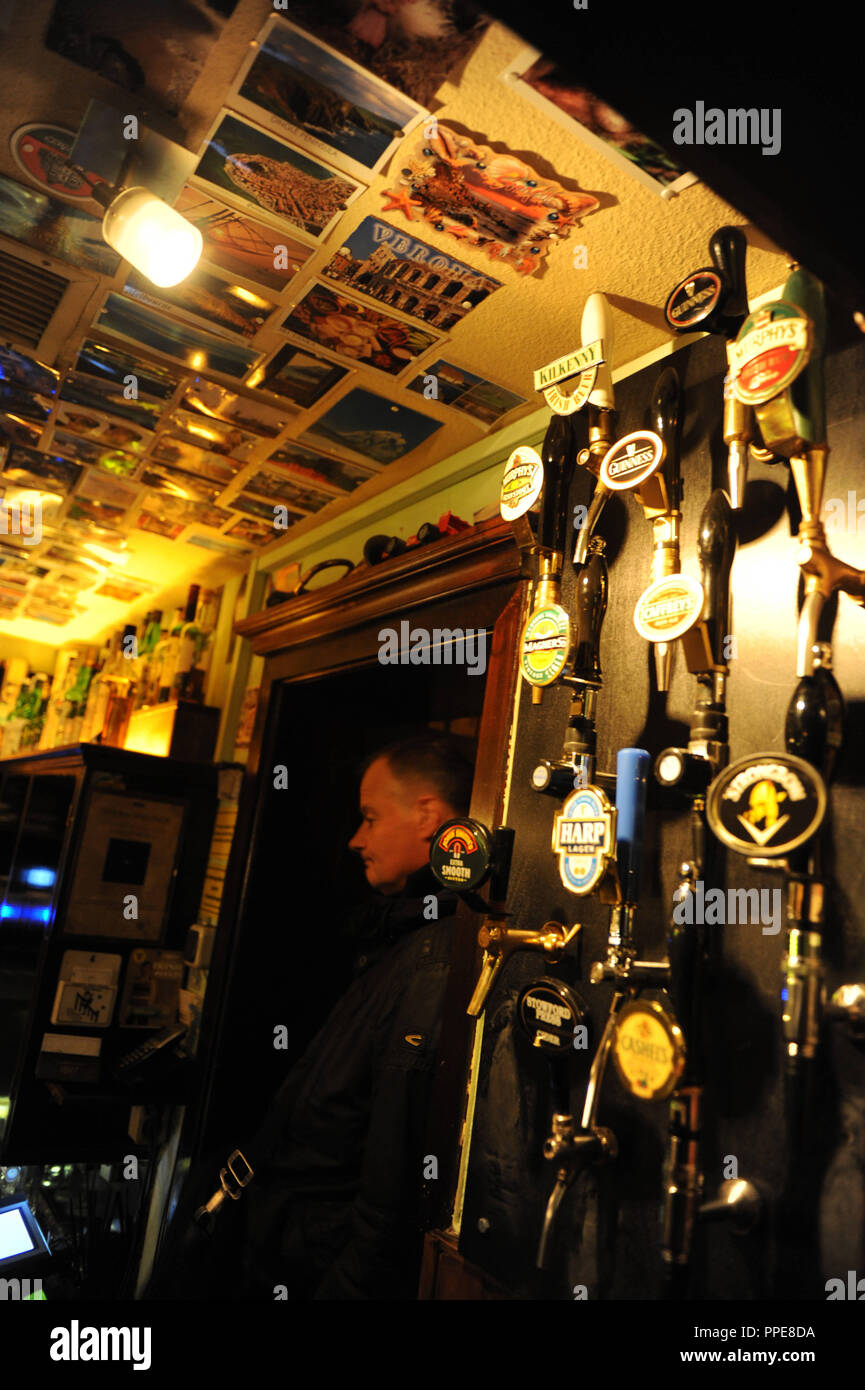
[{"x": 379, "y": 1258}]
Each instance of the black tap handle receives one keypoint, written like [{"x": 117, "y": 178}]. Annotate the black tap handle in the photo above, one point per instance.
[
  {"x": 503, "y": 848},
  {"x": 590, "y": 606},
  {"x": 814, "y": 726},
  {"x": 665, "y": 412},
  {"x": 716, "y": 546},
  {"x": 728, "y": 249},
  {"x": 558, "y": 453}
]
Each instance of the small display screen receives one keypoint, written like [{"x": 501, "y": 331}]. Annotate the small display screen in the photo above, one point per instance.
[{"x": 15, "y": 1239}]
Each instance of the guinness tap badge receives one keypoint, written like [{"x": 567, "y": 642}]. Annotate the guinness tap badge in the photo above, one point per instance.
[
  {"x": 772, "y": 348},
  {"x": 582, "y": 364},
  {"x": 648, "y": 1050},
  {"x": 769, "y": 803},
  {"x": 631, "y": 460},
  {"x": 584, "y": 837},
  {"x": 693, "y": 300},
  {"x": 522, "y": 482},
  {"x": 460, "y": 853}
]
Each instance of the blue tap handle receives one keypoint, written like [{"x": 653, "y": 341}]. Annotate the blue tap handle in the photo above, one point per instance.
[{"x": 632, "y": 774}]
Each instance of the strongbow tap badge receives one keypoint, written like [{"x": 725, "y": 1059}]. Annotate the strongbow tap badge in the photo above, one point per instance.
[{"x": 766, "y": 805}]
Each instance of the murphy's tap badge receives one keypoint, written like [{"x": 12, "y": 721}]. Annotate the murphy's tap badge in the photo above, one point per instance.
[
  {"x": 669, "y": 608},
  {"x": 460, "y": 853},
  {"x": 632, "y": 460},
  {"x": 648, "y": 1050},
  {"x": 767, "y": 804},
  {"x": 545, "y": 647},
  {"x": 584, "y": 838},
  {"x": 550, "y": 1013},
  {"x": 772, "y": 348},
  {"x": 582, "y": 364},
  {"x": 522, "y": 482},
  {"x": 693, "y": 300}
]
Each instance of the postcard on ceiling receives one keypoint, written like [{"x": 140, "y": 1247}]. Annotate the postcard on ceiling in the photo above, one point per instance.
[
  {"x": 230, "y": 308},
  {"x": 350, "y": 329},
  {"x": 244, "y": 163},
  {"x": 241, "y": 245},
  {"x": 387, "y": 264},
  {"x": 137, "y": 323},
  {"x": 372, "y": 426},
  {"x": 310, "y": 93}
]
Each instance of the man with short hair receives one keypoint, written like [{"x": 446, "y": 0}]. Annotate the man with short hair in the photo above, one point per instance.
[{"x": 333, "y": 1209}]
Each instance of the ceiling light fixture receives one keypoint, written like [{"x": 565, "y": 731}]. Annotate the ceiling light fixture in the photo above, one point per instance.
[{"x": 153, "y": 237}]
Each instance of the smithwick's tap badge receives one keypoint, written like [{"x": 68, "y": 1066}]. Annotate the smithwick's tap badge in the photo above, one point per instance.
[
  {"x": 648, "y": 1050},
  {"x": 522, "y": 482},
  {"x": 631, "y": 460},
  {"x": 668, "y": 608},
  {"x": 583, "y": 364},
  {"x": 545, "y": 647},
  {"x": 584, "y": 838},
  {"x": 693, "y": 300},
  {"x": 460, "y": 853},
  {"x": 549, "y": 1012},
  {"x": 766, "y": 804},
  {"x": 773, "y": 347}
]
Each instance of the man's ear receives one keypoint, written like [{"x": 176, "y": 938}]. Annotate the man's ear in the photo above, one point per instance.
[{"x": 431, "y": 813}]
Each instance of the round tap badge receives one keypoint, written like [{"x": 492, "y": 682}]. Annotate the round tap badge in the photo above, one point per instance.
[
  {"x": 460, "y": 853},
  {"x": 767, "y": 804},
  {"x": 549, "y": 1013},
  {"x": 565, "y": 401},
  {"x": 42, "y": 151},
  {"x": 631, "y": 460},
  {"x": 546, "y": 645},
  {"x": 584, "y": 834},
  {"x": 668, "y": 608},
  {"x": 772, "y": 348},
  {"x": 522, "y": 482},
  {"x": 648, "y": 1050},
  {"x": 693, "y": 300}
]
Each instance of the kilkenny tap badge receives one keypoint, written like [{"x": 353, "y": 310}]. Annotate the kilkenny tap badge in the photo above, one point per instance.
[
  {"x": 584, "y": 833},
  {"x": 579, "y": 370},
  {"x": 767, "y": 804}
]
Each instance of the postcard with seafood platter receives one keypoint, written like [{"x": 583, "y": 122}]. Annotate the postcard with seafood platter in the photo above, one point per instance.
[
  {"x": 242, "y": 162},
  {"x": 351, "y": 329},
  {"x": 326, "y": 102}
]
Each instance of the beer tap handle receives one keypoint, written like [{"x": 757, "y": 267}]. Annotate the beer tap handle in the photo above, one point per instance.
[
  {"x": 808, "y": 392},
  {"x": 632, "y": 775},
  {"x": 728, "y": 249},
  {"x": 665, "y": 412},
  {"x": 716, "y": 546},
  {"x": 590, "y": 606},
  {"x": 559, "y": 456},
  {"x": 597, "y": 323},
  {"x": 665, "y": 417}
]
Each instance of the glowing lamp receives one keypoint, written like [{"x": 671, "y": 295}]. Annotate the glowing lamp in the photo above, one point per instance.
[{"x": 149, "y": 234}]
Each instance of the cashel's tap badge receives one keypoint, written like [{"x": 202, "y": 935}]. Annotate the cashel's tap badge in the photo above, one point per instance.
[
  {"x": 584, "y": 837},
  {"x": 772, "y": 348},
  {"x": 460, "y": 853},
  {"x": 767, "y": 804},
  {"x": 582, "y": 365},
  {"x": 648, "y": 1050}
]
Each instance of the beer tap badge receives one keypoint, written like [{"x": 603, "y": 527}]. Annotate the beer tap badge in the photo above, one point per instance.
[
  {"x": 549, "y": 1012},
  {"x": 584, "y": 836},
  {"x": 631, "y": 460},
  {"x": 668, "y": 608},
  {"x": 522, "y": 482},
  {"x": 693, "y": 300},
  {"x": 460, "y": 853},
  {"x": 648, "y": 1050},
  {"x": 767, "y": 804},
  {"x": 582, "y": 364},
  {"x": 772, "y": 348},
  {"x": 546, "y": 645}
]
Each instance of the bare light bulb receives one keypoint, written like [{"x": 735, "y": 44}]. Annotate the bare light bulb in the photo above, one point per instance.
[{"x": 154, "y": 238}]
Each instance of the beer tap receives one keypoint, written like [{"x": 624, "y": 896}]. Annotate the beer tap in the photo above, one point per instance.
[
  {"x": 779, "y": 370},
  {"x": 715, "y": 300},
  {"x": 597, "y": 326},
  {"x": 573, "y": 1146},
  {"x": 464, "y": 855},
  {"x": 546, "y": 640},
  {"x": 657, "y": 616}
]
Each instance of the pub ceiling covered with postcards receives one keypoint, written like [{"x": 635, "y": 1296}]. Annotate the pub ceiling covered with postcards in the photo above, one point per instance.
[{"x": 403, "y": 210}]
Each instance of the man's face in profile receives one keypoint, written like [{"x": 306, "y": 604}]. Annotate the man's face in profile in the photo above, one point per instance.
[{"x": 398, "y": 821}]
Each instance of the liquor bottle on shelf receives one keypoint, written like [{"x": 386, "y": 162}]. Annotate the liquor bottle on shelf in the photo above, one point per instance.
[
  {"x": 100, "y": 689},
  {"x": 15, "y": 721},
  {"x": 187, "y": 648},
  {"x": 170, "y": 650}
]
